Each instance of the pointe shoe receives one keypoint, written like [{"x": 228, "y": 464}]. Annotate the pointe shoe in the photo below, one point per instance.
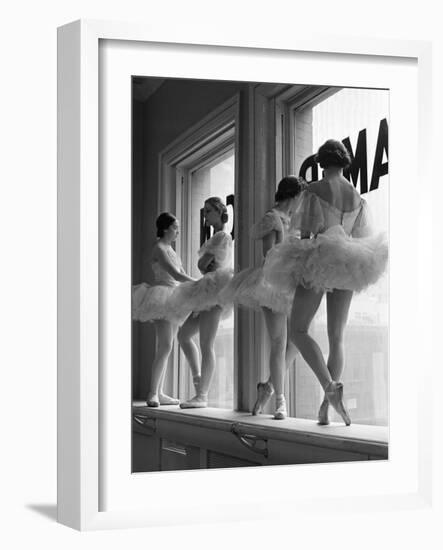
[
  {"x": 280, "y": 412},
  {"x": 152, "y": 402},
  {"x": 334, "y": 393},
  {"x": 168, "y": 400},
  {"x": 197, "y": 402},
  {"x": 264, "y": 392},
  {"x": 323, "y": 419}
]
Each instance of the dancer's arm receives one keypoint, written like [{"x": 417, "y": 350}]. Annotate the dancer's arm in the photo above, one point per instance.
[
  {"x": 308, "y": 217},
  {"x": 204, "y": 263},
  {"x": 363, "y": 225},
  {"x": 214, "y": 252},
  {"x": 268, "y": 242},
  {"x": 163, "y": 259},
  {"x": 269, "y": 230}
]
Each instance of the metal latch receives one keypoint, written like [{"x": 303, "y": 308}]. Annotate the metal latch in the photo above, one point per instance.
[
  {"x": 258, "y": 445},
  {"x": 149, "y": 424}
]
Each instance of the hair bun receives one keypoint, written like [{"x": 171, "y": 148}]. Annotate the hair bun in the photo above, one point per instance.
[
  {"x": 163, "y": 222},
  {"x": 289, "y": 187},
  {"x": 333, "y": 153}
]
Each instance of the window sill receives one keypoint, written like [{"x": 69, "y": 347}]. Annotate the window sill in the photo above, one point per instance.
[{"x": 369, "y": 441}]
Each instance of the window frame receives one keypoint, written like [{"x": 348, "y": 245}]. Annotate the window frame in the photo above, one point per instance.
[{"x": 286, "y": 104}]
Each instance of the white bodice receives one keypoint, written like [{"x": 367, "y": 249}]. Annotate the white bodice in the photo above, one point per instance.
[
  {"x": 220, "y": 246},
  {"x": 315, "y": 215},
  {"x": 161, "y": 276}
]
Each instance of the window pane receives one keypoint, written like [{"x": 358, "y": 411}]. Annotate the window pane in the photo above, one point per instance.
[
  {"x": 213, "y": 179},
  {"x": 361, "y": 117}
]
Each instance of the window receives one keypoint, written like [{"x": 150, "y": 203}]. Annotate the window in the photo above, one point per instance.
[
  {"x": 215, "y": 176},
  {"x": 200, "y": 163},
  {"x": 358, "y": 117},
  {"x": 203, "y": 162}
]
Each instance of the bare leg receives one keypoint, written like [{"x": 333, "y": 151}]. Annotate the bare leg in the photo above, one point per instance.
[
  {"x": 163, "y": 398},
  {"x": 189, "y": 347},
  {"x": 276, "y": 326},
  {"x": 208, "y": 322},
  {"x": 174, "y": 329},
  {"x": 305, "y": 306},
  {"x": 291, "y": 351},
  {"x": 280, "y": 403},
  {"x": 162, "y": 381},
  {"x": 338, "y": 304},
  {"x": 165, "y": 333},
  {"x": 266, "y": 389}
]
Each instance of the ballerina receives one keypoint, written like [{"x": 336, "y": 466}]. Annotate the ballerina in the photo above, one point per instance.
[
  {"x": 158, "y": 304},
  {"x": 250, "y": 289},
  {"x": 203, "y": 297},
  {"x": 338, "y": 254}
]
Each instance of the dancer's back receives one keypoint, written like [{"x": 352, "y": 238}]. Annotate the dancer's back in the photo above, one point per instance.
[{"x": 326, "y": 204}]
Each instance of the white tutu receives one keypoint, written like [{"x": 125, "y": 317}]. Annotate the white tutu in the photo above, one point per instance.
[
  {"x": 250, "y": 289},
  {"x": 204, "y": 294},
  {"x": 283, "y": 267},
  {"x": 150, "y": 303},
  {"x": 332, "y": 260}
]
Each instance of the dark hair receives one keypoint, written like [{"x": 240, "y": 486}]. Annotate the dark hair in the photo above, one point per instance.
[
  {"x": 163, "y": 222},
  {"x": 289, "y": 187},
  {"x": 333, "y": 153},
  {"x": 220, "y": 206}
]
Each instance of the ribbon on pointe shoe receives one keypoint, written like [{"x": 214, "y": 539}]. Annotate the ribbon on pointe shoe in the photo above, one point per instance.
[
  {"x": 281, "y": 411},
  {"x": 334, "y": 393},
  {"x": 264, "y": 392}
]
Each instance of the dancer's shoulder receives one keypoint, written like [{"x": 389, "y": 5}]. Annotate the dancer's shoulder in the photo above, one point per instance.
[
  {"x": 220, "y": 238},
  {"x": 161, "y": 251},
  {"x": 269, "y": 222}
]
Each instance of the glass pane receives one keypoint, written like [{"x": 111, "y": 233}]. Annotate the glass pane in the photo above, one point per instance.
[
  {"x": 354, "y": 114},
  {"x": 213, "y": 179}
]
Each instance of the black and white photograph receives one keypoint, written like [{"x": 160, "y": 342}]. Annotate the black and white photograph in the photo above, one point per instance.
[
  {"x": 260, "y": 250},
  {"x": 222, "y": 275}
]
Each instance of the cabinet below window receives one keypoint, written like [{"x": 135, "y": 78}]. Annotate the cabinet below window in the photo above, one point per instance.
[{"x": 172, "y": 439}]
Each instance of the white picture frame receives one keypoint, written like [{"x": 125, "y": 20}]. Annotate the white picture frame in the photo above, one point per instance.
[{"x": 81, "y": 390}]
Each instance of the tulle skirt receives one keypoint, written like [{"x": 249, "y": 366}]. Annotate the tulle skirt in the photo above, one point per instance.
[
  {"x": 332, "y": 260},
  {"x": 151, "y": 303},
  {"x": 206, "y": 293},
  {"x": 250, "y": 289}
]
